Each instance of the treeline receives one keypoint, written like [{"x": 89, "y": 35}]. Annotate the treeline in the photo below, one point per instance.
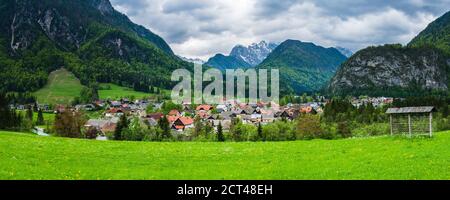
[
  {"x": 341, "y": 110},
  {"x": 441, "y": 118},
  {"x": 96, "y": 61},
  {"x": 29, "y": 70},
  {"x": 10, "y": 119},
  {"x": 440, "y": 103},
  {"x": 304, "y": 98}
]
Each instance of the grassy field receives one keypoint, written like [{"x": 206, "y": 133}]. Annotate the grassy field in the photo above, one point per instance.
[
  {"x": 117, "y": 92},
  {"x": 62, "y": 87},
  {"x": 25, "y": 156},
  {"x": 50, "y": 117}
]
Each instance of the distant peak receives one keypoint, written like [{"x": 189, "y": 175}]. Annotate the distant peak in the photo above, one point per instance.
[
  {"x": 253, "y": 54},
  {"x": 104, "y": 6}
]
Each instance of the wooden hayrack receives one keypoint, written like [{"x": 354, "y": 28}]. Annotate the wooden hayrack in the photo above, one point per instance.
[{"x": 411, "y": 120}]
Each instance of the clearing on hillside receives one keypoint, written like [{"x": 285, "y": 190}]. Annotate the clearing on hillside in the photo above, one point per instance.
[
  {"x": 62, "y": 87},
  {"x": 26, "y": 156}
]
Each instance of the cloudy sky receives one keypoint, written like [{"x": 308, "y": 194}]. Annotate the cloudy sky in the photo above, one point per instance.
[{"x": 202, "y": 28}]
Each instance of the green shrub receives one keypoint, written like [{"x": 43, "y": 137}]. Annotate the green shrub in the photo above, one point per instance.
[
  {"x": 309, "y": 127},
  {"x": 343, "y": 129},
  {"x": 442, "y": 124},
  {"x": 374, "y": 129}
]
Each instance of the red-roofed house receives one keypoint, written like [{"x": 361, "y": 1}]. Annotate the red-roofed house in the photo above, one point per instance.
[
  {"x": 182, "y": 123},
  {"x": 172, "y": 119},
  {"x": 203, "y": 114},
  {"x": 155, "y": 116},
  {"x": 204, "y": 107}
]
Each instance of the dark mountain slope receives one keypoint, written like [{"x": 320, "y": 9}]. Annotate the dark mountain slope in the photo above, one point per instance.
[
  {"x": 436, "y": 34},
  {"x": 421, "y": 68},
  {"x": 392, "y": 70},
  {"x": 304, "y": 67},
  {"x": 88, "y": 37},
  {"x": 223, "y": 62}
]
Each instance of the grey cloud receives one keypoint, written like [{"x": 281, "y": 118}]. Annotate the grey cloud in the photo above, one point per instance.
[
  {"x": 200, "y": 28},
  {"x": 177, "y": 6},
  {"x": 346, "y": 8}
]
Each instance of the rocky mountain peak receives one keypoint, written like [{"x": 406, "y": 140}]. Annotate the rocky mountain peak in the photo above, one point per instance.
[
  {"x": 391, "y": 70},
  {"x": 255, "y": 53},
  {"x": 104, "y": 6}
]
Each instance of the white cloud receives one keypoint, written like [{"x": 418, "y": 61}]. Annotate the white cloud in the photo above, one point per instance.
[{"x": 202, "y": 28}]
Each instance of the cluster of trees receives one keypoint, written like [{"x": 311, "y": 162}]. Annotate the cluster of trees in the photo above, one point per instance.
[
  {"x": 304, "y": 98},
  {"x": 202, "y": 130},
  {"x": 441, "y": 103},
  {"x": 87, "y": 94},
  {"x": 29, "y": 72},
  {"x": 341, "y": 110},
  {"x": 69, "y": 124},
  {"x": 9, "y": 119},
  {"x": 135, "y": 130},
  {"x": 21, "y": 98}
]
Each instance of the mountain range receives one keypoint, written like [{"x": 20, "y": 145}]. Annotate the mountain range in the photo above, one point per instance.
[
  {"x": 242, "y": 57},
  {"x": 303, "y": 66},
  {"x": 193, "y": 60},
  {"x": 253, "y": 54},
  {"x": 98, "y": 44}
]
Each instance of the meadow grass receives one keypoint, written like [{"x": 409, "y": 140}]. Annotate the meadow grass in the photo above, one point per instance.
[
  {"x": 62, "y": 87},
  {"x": 117, "y": 92},
  {"x": 50, "y": 117},
  {"x": 25, "y": 156}
]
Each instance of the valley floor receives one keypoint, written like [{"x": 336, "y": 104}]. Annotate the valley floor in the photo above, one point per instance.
[{"x": 26, "y": 156}]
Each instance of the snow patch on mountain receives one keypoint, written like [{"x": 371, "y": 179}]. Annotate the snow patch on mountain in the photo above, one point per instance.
[{"x": 253, "y": 54}]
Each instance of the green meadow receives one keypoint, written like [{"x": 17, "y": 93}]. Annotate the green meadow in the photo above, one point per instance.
[
  {"x": 62, "y": 87},
  {"x": 26, "y": 156},
  {"x": 116, "y": 92}
]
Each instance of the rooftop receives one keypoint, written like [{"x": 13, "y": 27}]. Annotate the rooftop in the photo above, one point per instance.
[{"x": 406, "y": 110}]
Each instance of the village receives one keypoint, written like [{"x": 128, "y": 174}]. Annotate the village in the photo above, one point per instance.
[
  {"x": 182, "y": 118},
  {"x": 108, "y": 112}
]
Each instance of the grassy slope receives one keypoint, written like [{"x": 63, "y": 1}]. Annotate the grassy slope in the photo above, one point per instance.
[
  {"x": 62, "y": 87},
  {"x": 25, "y": 156}
]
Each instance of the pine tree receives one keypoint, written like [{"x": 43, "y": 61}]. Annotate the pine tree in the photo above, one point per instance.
[
  {"x": 164, "y": 125},
  {"x": 40, "y": 118},
  {"x": 29, "y": 113},
  {"x": 35, "y": 107},
  {"x": 220, "y": 136},
  {"x": 260, "y": 134},
  {"x": 445, "y": 110},
  {"x": 122, "y": 124}
]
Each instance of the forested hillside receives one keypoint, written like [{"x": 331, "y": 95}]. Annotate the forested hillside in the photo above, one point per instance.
[{"x": 87, "y": 37}]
